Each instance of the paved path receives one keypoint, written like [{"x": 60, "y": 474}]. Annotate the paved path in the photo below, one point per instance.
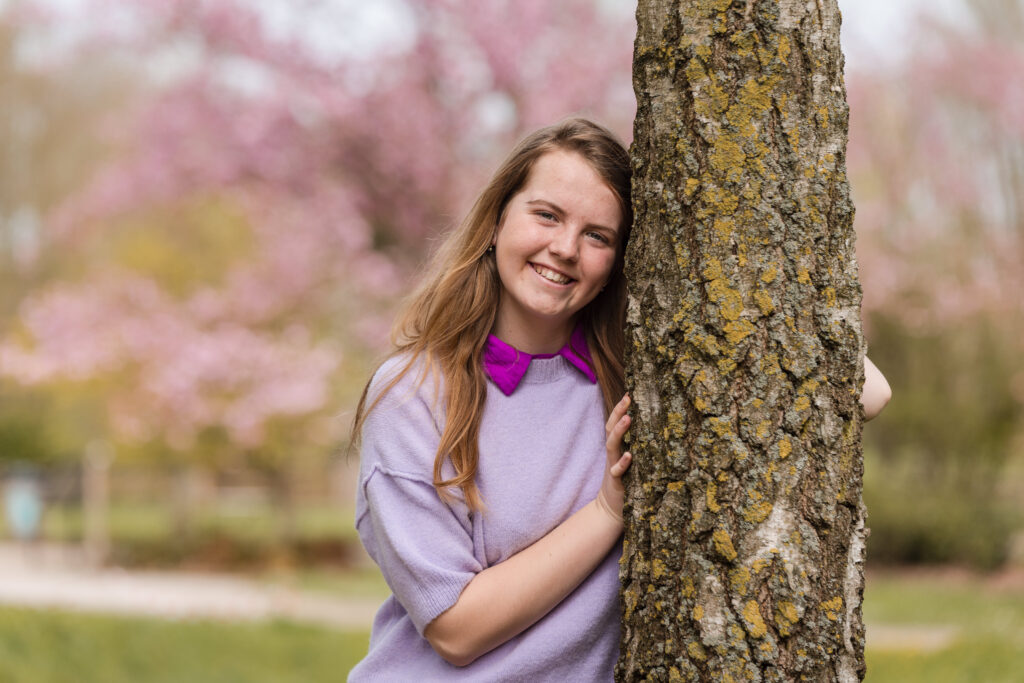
[{"x": 48, "y": 577}]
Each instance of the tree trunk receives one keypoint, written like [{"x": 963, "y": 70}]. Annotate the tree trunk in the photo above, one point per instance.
[{"x": 744, "y": 543}]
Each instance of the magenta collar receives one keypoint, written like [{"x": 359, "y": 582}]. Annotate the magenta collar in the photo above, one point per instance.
[{"x": 506, "y": 365}]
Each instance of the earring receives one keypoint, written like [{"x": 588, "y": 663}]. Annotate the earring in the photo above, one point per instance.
[{"x": 490, "y": 249}]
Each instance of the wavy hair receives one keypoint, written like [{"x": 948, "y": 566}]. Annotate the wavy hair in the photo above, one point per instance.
[{"x": 446, "y": 320}]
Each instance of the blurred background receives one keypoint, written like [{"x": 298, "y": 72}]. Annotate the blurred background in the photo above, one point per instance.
[{"x": 209, "y": 210}]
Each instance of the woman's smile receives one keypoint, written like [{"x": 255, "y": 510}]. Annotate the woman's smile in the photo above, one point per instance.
[{"x": 552, "y": 275}]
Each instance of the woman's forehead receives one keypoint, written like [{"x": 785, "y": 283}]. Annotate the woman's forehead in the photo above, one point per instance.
[{"x": 568, "y": 180}]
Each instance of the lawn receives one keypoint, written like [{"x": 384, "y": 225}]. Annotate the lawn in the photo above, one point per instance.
[
  {"x": 981, "y": 622},
  {"x": 59, "y": 647},
  {"x": 937, "y": 627}
]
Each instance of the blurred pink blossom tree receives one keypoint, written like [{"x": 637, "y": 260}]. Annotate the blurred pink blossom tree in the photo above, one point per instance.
[
  {"x": 245, "y": 248},
  {"x": 937, "y": 163},
  {"x": 240, "y": 258}
]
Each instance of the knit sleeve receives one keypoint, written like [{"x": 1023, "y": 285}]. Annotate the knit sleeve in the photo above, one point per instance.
[
  {"x": 423, "y": 551},
  {"x": 423, "y": 545}
]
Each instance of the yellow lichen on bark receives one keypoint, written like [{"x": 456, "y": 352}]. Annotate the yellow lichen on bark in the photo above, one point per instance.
[
  {"x": 738, "y": 330},
  {"x": 764, "y": 302},
  {"x": 785, "y": 617},
  {"x": 729, "y": 301},
  {"x": 658, "y": 568},
  {"x": 757, "y": 512},
  {"x": 752, "y": 617},
  {"x": 723, "y": 544},
  {"x": 720, "y": 426},
  {"x": 739, "y": 578},
  {"x": 832, "y": 608},
  {"x": 713, "y": 505},
  {"x": 784, "y": 49}
]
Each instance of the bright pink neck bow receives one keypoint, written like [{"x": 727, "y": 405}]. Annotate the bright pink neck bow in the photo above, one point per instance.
[{"x": 506, "y": 365}]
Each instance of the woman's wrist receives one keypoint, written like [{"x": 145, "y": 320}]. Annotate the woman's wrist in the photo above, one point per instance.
[{"x": 607, "y": 511}]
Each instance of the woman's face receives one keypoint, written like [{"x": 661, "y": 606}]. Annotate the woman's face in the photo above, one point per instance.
[{"x": 555, "y": 249}]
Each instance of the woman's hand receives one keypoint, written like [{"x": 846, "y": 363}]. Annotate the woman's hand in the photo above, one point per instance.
[{"x": 610, "y": 497}]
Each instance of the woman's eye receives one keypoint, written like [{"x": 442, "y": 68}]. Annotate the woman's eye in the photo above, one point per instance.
[
  {"x": 600, "y": 237},
  {"x": 546, "y": 215}
]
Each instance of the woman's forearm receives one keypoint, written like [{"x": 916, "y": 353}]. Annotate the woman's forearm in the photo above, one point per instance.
[
  {"x": 876, "y": 392},
  {"x": 505, "y": 599}
]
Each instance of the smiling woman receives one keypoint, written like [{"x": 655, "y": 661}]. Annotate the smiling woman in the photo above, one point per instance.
[
  {"x": 491, "y": 495},
  {"x": 555, "y": 249}
]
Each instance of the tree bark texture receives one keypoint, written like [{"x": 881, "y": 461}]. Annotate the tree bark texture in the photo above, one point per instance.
[{"x": 744, "y": 545}]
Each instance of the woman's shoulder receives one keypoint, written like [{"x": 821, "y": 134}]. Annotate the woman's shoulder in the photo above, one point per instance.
[
  {"x": 404, "y": 376},
  {"x": 404, "y": 418}
]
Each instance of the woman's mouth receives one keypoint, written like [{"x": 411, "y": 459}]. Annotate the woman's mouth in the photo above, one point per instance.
[{"x": 551, "y": 275}]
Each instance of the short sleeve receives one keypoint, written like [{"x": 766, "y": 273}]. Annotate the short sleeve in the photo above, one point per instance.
[
  {"x": 422, "y": 548},
  {"x": 423, "y": 545}
]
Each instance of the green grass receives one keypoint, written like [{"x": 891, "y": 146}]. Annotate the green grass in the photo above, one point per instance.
[
  {"x": 59, "y": 647},
  {"x": 989, "y": 623}
]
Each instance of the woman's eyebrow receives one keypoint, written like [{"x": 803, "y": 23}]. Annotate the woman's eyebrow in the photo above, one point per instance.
[
  {"x": 557, "y": 209},
  {"x": 544, "y": 202}
]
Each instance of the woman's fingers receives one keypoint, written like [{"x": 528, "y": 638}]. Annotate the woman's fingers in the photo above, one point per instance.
[
  {"x": 617, "y": 431},
  {"x": 619, "y": 468},
  {"x": 617, "y": 412}
]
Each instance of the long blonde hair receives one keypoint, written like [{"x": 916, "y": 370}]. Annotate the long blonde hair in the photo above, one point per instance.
[{"x": 447, "y": 319}]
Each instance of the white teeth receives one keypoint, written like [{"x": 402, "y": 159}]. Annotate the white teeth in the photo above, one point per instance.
[{"x": 549, "y": 274}]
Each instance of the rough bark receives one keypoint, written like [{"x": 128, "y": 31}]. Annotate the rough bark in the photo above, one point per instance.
[{"x": 744, "y": 543}]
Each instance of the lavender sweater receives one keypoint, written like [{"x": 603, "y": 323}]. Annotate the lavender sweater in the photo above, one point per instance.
[{"x": 541, "y": 459}]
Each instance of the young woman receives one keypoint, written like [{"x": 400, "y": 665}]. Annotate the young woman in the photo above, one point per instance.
[
  {"x": 490, "y": 490},
  {"x": 490, "y": 478}
]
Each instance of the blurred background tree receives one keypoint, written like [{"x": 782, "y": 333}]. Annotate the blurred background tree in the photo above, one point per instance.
[
  {"x": 937, "y": 167},
  {"x": 227, "y": 274},
  {"x": 210, "y": 208}
]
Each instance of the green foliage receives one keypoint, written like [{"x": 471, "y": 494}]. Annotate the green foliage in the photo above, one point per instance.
[
  {"x": 915, "y": 522},
  {"x": 45, "y": 647},
  {"x": 935, "y": 457},
  {"x": 145, "y": 535},
  {"x": 24, "y": 431},
  {"x": 23, "y": 440},
  {"x": 47, "y": 425},
  {"x": 953, "y": 397}
]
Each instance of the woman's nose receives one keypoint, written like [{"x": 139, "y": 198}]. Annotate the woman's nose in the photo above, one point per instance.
[{"x": 564, "y": 245}]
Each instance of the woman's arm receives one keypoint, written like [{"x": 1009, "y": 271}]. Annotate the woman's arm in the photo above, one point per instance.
[
  {"x": 507, "y": 598},
  {"x": 876, "y": 392}
]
